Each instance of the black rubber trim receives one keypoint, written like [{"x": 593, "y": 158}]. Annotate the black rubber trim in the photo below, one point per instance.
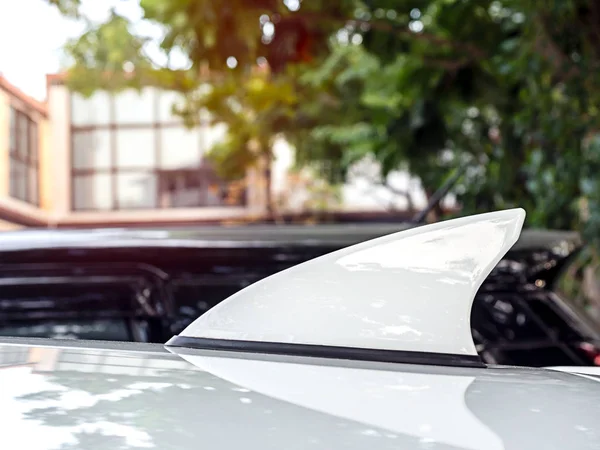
[{"x": 327, "y": 351}]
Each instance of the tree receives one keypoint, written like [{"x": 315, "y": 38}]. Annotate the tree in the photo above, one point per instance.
[
  {"x": 255, "y": 100},
  {"x": 505, "y": 87}
]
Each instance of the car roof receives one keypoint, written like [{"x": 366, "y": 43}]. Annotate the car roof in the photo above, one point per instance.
[
  {"x": 239, "y": 236},
  {"x": 99, "y": 395}
]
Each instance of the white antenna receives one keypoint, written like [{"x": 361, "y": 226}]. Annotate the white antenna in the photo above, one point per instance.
[{"x": 406, "y": 294}]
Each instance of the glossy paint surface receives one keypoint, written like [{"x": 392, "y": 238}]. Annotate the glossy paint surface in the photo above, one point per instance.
[
  {"x": 68, "y": 396},
  {"x": 579, "y": 370},
  {"x": 409, "y": 291}
]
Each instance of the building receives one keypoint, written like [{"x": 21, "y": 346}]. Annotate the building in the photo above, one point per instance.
[
  {"x": 111, "y": 160},
  {"x": 23, "y": 149},
  {"x": 125, "y": 159}
]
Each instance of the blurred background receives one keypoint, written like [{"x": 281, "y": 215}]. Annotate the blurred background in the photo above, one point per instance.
[
  {"x": 188, "y": 116},
  {"x": 193, "y": 111}
]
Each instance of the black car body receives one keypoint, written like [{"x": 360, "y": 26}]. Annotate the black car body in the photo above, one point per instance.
[{"x": 147, "y": 285}]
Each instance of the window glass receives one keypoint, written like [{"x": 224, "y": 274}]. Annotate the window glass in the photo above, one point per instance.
[
  {"x": 18, "y": 180},
  {"x": 32, "y": 184},
  {"x": 91, "y": 149},
  {"x": 135, "y": 107},
  {"x": 23, "y": 135},
  {"x": 180, "y": 148},
  {"x": 89, "y": 111},
  {"x": 136, "y": 190},
  {"x": 136, "y": 148},
  {"x": 92, "y": 191},
  {"x": 180, "y": 189},
  {"x": 140, "y": 157},
  {"x": 13, "y": 130},
  {"x": 23, "y": 154},
  {"x": 33, "y": 142}
]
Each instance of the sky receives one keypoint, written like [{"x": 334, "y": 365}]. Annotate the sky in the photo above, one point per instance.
[{"x": 32, "y": 34}]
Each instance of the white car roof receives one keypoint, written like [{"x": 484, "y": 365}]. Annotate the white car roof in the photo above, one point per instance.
[{"x": 98, "y": 395}]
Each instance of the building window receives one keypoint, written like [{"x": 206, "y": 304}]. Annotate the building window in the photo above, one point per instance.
[
  {"x": 23, "y": 153},
  {"x": 140, "y": 160}
]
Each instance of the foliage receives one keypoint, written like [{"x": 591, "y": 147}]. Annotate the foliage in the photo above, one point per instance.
[
  {"x": 506, "y": 87},
  {"x": 306, "y": 192},
  {"x": 69, "y": 8}
]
